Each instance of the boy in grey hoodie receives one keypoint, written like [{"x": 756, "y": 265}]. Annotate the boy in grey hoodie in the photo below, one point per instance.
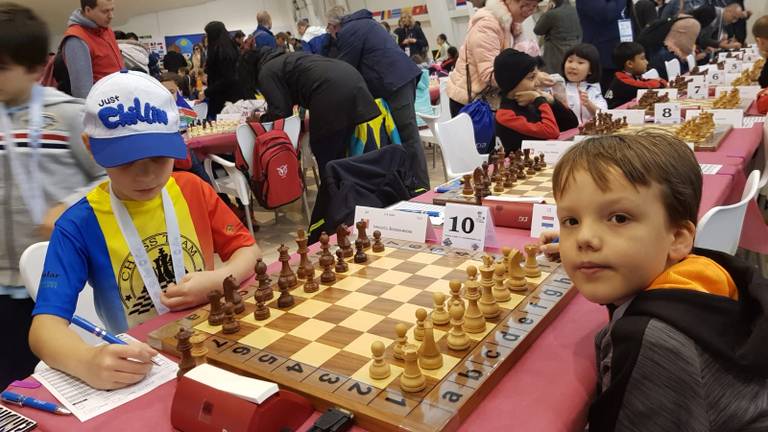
[{"x": 41, "y": 169}]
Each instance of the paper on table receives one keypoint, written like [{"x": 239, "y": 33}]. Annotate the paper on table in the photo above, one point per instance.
[
  {"x": 435, "y": 212},
  {"x": 86, "y": 402},
  {"x": 250, "y": 389},
  {"x": 710, "y": 168}
]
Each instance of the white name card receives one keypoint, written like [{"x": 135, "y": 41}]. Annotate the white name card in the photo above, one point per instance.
[
  {"x": 544, "y": 218},
  {"x": 552, "y": 149},
  {"x": 666, "y": 113},
  {"x": 395, "y": 224},
  {"x": 634, "y": 117},
  {"x": 468, "y": 227},
  {"x": 672, "y": 92},
  {"x": 733, "y": 117}
]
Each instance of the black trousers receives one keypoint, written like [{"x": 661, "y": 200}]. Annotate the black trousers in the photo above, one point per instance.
[
  {"x": 401, "y": 104},
  {"x": 329, "y": 146}
]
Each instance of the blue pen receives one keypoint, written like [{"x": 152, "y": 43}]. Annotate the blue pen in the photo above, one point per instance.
[
  {"x": 98, "y": 331},
  {"x": 426, "y": 212},
  {"x": 28, "y": 401}
]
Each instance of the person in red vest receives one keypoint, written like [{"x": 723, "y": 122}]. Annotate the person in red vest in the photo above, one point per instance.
[{"x": 90, "y": 48}]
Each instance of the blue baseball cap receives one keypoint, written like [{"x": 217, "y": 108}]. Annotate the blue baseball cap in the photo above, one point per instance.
[{"x": 130, "y": 116}]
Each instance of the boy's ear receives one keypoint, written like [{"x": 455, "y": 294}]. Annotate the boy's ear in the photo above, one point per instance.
[{"x": 682, "y": 243}]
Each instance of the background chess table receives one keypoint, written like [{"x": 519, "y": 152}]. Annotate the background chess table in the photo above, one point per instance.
[
  {"x": 320, "y": 347},
  {"x": 535, "y": 185}
]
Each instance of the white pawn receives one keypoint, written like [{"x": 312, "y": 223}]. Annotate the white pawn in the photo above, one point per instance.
[
  {"x": 418, "y": 332},
  {"x": 379, "y": 369},
  {"x": 440, "y": 316}
]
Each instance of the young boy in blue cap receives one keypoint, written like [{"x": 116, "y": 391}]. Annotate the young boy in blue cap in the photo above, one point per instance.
[{"x": 144, "y": 240}]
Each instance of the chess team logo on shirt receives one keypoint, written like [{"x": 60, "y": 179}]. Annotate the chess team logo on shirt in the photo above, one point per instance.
[{"x": 133, "y": 293}]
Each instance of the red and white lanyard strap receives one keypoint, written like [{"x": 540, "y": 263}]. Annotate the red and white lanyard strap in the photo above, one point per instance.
[
  {"x": 136, "y": 246},
  {"x": 27, "y": 176}
]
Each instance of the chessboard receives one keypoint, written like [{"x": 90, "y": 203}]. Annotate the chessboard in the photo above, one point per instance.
[
  {"x": 711, "y": 143},
  {"x": 329, "y": 342}
]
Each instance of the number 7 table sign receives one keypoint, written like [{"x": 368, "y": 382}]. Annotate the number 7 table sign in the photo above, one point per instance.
[{"x": 468, "y": 227}]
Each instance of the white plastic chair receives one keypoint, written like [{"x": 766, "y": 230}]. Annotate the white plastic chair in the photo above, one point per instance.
[
  {"x": 720, "y": 228},
  {"x": 456, "y": 138},
  {"x": 201, "y": 110},
  {"x": 31, "y": 268},
  {"x": 235, "y": 182},
  {"x": 673, "y": 68},
  {"x": 440, "y": 113},
  {"x": 691, "y": 59}
]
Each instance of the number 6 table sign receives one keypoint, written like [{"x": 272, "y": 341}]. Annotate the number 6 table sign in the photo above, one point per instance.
[
  {"x": 468, "y": 227},
  {"x": 666, "y": 113}
]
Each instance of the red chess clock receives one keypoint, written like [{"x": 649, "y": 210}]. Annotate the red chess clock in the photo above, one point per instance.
[{"x": 200, "y": 408}]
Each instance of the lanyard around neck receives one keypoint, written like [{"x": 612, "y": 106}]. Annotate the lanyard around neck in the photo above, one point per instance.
[
  {"x": 27, "y": 176},
  {"x": 136, "y": 246}
]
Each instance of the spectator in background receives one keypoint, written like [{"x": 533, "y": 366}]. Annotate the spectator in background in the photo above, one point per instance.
[
  {"x": 561, "y": 31},
  {"x": 491, "y": 29},
  {"x": 646, "y": 12},
  {"x": 281, "y": 39},
  {"x": 135, "y": 54},
  {"x": 313, "y": 39},
  {"x": 389, "y": 74},
  {"x": 239, "y": 37},
  {"x": 174, "y": 59},
  {"x": 263, "y": 34},
  {"x": 221, "y": 69},
  {"x": 197, "y": 60},
  {"x": 442, "y": 48},
  {"x": 679, "y": 42},
  {"x": 600, "y": 27},
  {"x": 89, "y": 46},
  {"x": 410, "y": 37},
  {"x": 448, "y": 64}
]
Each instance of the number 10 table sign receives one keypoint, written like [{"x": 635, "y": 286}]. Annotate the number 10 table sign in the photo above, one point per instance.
[{"x": 468, "y": 227}]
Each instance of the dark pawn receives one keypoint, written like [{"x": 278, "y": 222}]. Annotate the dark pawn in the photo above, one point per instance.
[
  {"x": 231, "y": 325},
  {"x": 360, "y": 255},
  {"x": 341, "y": 265},
  {"x": 286, "y": 299},
  {"x": 378, "y": 246},
  {"x": 310, "y": 285},
  {"x": 261, "y": 312},
  {"x": 216, "y": 316}
]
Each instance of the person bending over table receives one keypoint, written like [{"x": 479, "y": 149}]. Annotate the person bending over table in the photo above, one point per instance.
[{"x": 333, "y": 92}]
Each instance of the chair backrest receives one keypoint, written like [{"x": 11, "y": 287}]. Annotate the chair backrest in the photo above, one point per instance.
[
  {"x": 201, "y": 110},
  {"x": 445, "y": 101},
  {"x": 456, "y": 138},
  {"x": 720, "y": 228},
  {"x": 691, "y": 61},
  {"x": 246, "y": 138},
  {"x": 673, "y": 68},
  {"x": 31, "y": 268}
]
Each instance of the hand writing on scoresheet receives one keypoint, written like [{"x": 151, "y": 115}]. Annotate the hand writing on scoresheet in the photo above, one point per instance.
[{"x": 112, "y": 366}]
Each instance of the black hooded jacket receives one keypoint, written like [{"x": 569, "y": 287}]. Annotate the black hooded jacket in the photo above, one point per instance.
[{"x": 333, "y": 91}]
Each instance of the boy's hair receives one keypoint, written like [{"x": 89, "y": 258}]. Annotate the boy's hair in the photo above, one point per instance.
[
  {"x": 120, "y": 35},
  {"x": 453, "y": 52},
  {"x": 760, "y": 27},
  {"x": 589, "y": 53},
  {"x": 625, "y": 52},
  {"x": 23, "y": 37},
  {"x": 132, "y": 36},
  {"x": 642, "y": 159}
]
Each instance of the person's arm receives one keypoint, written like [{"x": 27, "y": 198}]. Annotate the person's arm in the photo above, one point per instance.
[
  {"x": 545, "y": 24},
  {"x": 50, "y": 338},
  {"x": 279, "y": 103},
  {"x": 78, "y": 60},
  {"x": 484, "y": 47},
  {"x": 565, "y": 118},
  {"x": 545, "y": 129}
]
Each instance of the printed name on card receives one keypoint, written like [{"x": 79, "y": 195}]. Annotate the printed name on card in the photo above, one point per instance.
[
  {"x": 552, "y": 149},
  {"x": 396, "y": 224}
]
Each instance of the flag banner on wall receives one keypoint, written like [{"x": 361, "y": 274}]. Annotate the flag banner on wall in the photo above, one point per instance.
[
  {"x": 184, "y": 42},
  {"x": 397, "y": 13}
]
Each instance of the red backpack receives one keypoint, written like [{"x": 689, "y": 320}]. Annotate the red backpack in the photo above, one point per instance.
[{"x": 276, "y": 178}]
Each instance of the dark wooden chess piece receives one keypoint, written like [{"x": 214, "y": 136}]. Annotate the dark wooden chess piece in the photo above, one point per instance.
[
  {"x": 361, "y": 234},
  {"x": 536, "y": 163},
  {"x": 541, "y": 155},
  {"x": 262, "y": 311},
  {"x": 342, "y": 239},
  {"x": 230, "y": 325},
  {"x": 378, "y": 246},
  {"x": 360, "y": 255},
  {"x": 310, "y": 285},
  {"x": 509, "y": 177},
  {"x": 527, "y": 158},
  {"x": 326, "y": 261},
  {"x": 286, "y": 299},
  {"x": 231, "y": 294},
  {"x": 467, "y": 183},
  {"x": 301, "y": 242},
  {"x": 216, "y": 315},
  {"x": 285, "y": 272},
  {"x": 184, "y": 347},
  {"x": 265, "y": 284},
  {"x": 341, "y": 265}
]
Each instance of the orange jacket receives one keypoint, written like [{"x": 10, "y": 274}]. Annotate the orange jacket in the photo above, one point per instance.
[{"x": 105, "y": 55}]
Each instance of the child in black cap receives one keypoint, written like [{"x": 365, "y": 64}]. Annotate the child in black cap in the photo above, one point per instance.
[{"x": 525, "y": 112}]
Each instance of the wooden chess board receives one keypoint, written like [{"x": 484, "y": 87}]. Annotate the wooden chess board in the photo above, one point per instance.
[
  {"x": 536, "y": 185},
  {"x": 321, "y": 346},
  {"x": 711, "y": 144}
]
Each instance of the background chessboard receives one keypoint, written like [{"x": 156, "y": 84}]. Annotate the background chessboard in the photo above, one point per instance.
[
  {"x": 320, "y": 347},
  {"x": 712, "y": 144},
  {"x": 536, "y": 185}
]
